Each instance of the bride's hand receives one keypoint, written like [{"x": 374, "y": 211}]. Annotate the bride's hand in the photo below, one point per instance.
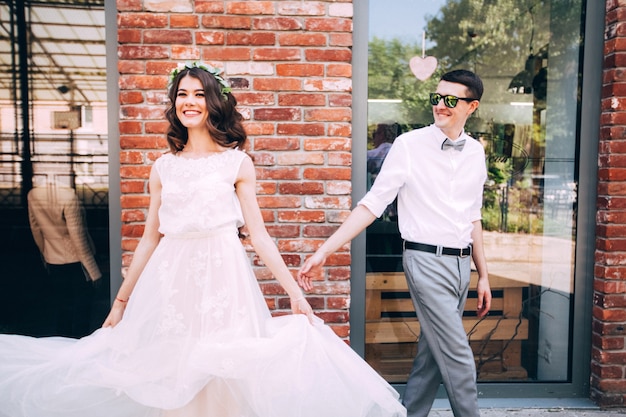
[
  {"x": 300, "y": 305},
  {"x": 115, "y": 315}
]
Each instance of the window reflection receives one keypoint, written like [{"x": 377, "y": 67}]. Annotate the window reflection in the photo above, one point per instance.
[
  {"x": 527, "y": 55},
  {"x": 53, "y": 140}
]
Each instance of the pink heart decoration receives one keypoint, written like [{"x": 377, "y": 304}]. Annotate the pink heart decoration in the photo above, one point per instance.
[{"x": 423, "y": 68}]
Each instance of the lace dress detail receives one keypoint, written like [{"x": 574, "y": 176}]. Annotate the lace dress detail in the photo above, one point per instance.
[{"x": 197, "y": 338}]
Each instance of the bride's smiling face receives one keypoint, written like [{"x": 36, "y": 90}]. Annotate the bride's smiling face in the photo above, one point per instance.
[{"x": 190, "y": 103}]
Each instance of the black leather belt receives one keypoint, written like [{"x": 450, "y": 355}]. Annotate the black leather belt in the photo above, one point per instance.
[{"x": 441, "y": 250}]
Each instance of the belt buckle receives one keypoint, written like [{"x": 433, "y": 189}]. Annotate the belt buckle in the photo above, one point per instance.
[{"x": 469, "y": 252}]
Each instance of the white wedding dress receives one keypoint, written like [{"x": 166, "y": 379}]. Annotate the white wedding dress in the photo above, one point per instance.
[{"x": 197, "y": 338}]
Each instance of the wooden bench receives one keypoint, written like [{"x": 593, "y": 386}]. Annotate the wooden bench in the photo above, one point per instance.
[{"x": 392, "y": 329}]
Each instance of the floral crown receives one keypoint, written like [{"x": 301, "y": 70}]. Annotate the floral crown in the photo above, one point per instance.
[{"x": 215, "y": 72}]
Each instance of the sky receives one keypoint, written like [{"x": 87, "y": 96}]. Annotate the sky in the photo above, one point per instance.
[{"x": 404, "y": 19}]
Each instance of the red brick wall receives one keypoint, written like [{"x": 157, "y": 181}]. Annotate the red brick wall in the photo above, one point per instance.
[
  {"x": 290, "y": 66},
  {"x": 608, "y": 361}
]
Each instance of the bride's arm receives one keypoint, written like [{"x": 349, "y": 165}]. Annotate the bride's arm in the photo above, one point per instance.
[
  {"x": 143, "y": 252},
  {"x": 262, "y": 242}
]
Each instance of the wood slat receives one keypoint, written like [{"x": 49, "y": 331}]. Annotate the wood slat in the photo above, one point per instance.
[{"x": 408, "y": 330}]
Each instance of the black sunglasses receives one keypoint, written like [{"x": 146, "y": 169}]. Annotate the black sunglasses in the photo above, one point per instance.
[{"x": 449, "y": 101}]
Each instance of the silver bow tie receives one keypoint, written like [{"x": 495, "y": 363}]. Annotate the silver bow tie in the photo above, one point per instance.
[{"x": 457, "y": 144}]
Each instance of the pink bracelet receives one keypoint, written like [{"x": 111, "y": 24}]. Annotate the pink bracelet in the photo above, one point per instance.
[{"x": 120, "y": 300}]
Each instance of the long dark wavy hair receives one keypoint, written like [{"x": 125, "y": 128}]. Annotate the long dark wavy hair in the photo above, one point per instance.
[{"x": 224, "y": 122}]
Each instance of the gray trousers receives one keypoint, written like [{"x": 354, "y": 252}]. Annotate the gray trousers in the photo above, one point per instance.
[{"x": 439, "y": 286}]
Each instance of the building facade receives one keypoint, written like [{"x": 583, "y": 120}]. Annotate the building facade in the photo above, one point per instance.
[{"x": 317, "y": 82}]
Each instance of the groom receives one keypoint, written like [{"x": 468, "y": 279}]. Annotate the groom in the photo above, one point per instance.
[{"x": 437, "y": 173}]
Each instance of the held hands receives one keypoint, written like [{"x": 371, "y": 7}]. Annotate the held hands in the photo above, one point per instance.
[{"x": 311, "y": 269}]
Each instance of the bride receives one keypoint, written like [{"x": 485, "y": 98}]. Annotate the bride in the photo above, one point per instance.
[{"x": 189, "y": 333}]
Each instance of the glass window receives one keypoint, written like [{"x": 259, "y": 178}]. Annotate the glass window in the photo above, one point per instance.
[
  {"x": 527, "y": 54},
  {"x": 53, "y": 168}
]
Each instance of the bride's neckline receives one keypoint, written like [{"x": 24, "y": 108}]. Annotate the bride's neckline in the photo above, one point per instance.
[{"x": 198, "y": 155}]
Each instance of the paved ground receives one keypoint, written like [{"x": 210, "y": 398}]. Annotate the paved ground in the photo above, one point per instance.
[{"x": 537, "y": 412}]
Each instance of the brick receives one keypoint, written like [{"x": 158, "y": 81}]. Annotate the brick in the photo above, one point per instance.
[
  {"x": 182, "y": 52},
  {"x": 142, "y": 142},
  {"x": 301, "y": 188},
  {"x": 251, "y": 38},
  {"x": 298, "y": 216},
  {"x": 141, "y": 112},
  {"x": 134, "y": 201},
  {"x": 302, "y": 39},
  {"x": 340, "y": 158},
  {"x": 279, "y": 202},
  {"x": 129, "y": 127},
  {"x": 128, "y": 5},
  {"x": 129, "y": 36},
  {"x": 327, "y": 202},
  {"x": 142, "y": 52},
  {"x": 131, "y": 67},
  {"x": 263, "y": 187},
  {"x": 133, "y": 187},
  {"x": 130, "y": 97},
  {"x": 261, "y": 159},
  {"x": 133, "y": 216},
  {"x": 299, "y": 70},
  {"x": 276, "y": 23},
  {"x": 131, "y": 157},
  {"x": 276, "y": 54},
  {"x": 210, "y": 38},
  {"x": 132, "y": 230},
  {"x": 184, "y": 21},
  {"x": 179, "y": 6},
  {"x": 609, "y": 315},
  {"x": 225, "y": 53},
  {"x": 340, "y": 39},
  {"x": 209, "y": 6},
  {"x": 258, "y": 128},
  {"x": 339, "y": 70},
  {"x": 322, "y": 24},
  {"x": 276, "y": 143},
  {"x": 135, "y": 172},
  {"x": 338, "y": 187},
  {"x": 278, "y": 173},
  {"x": 328, "y": 84},
  {"x": 167, "y": 36},
  {"x": 283, "y": 230},
  {"x": 319, "y": 231},
  {"x": 607, "y": 372},
  {"x": 278, "y": 114},
  {"x": 327, "y": 144},
  {"x": 328, "y": 115},
  {"x": 227, "y": 22},
  {"x": 301, "y": 99},
  {"x": 304, "y": 129},
  {"x": 277, "y": 84},
  {"x": 340, "y": 10},
  {"x": 142, "y": 20},
  {"x": 250, "y": 7},
  {"x": 141, "y": 82},
  {"x": 300, "y": 8},
  {"x": 159, "y": 127},
  {"x": 340, "y": 129},
  {"x": 608, "y": 343},
  {"x": 300, "y": 158}
]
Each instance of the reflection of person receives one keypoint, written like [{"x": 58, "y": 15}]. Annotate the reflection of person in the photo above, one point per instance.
[
  {"x": 58, "y": 226},
  {"x": 439, "y": 185},
  {"x": 382, "y": 137},
  {"x": 190, "y": 333}
]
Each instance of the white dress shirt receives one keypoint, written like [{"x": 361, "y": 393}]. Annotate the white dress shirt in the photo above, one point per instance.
[{"x": 439, "y": 192}]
